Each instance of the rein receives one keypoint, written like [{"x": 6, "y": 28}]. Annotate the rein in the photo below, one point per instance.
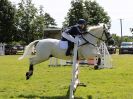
[
  {"x": 96, "y": 36},
  {"x": 87, "y": 42}
]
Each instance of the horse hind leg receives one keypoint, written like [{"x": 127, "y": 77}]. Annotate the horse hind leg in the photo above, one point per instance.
[
  {"x": 33, "y": 61},
  {"x": 30, "y": 72}
]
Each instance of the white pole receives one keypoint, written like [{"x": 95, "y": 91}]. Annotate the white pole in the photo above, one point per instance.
[{"x": 75, "y": 80}]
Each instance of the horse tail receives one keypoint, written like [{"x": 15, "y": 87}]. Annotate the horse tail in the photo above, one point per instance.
[{"x": 28, "y": 49}]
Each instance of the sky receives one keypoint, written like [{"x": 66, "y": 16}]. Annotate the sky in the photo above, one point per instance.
[{"x": 116, "y": 9}]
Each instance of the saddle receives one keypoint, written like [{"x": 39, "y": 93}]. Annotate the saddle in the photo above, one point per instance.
[
  {"x": 66, "y": 44},
  {"x": 63, "y": 44}
]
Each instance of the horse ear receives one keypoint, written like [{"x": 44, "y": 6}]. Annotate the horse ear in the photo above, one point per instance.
[{"x": 104, "y": 26}]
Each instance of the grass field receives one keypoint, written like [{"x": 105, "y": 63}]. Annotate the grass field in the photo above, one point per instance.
[{"x": 53, "y": 82}]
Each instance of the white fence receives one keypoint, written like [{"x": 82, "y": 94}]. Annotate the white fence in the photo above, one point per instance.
[{"x": 106, "y": 60}]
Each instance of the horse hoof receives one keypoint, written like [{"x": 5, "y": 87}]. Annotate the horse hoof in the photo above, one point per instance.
[
  {"x": 27, "y": 75},
  {"x": 82, "y": 84},
  {"x": 96, "y": 67}
]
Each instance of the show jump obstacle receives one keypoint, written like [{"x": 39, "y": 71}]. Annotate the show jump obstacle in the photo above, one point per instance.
[
  {"x": 75, "y": 72},
  {"x": 106, "y": 62}
]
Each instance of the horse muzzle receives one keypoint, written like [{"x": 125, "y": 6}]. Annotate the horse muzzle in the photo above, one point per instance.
[{"x": 111, "y": 41}]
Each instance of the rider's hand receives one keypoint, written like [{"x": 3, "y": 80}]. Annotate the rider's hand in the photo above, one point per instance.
[
  {"x": 77, "y": 42},
  {"x": 85, "y": 32}
]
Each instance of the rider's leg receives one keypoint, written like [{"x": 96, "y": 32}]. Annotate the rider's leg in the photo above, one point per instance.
[{"x": 70, "y": 47}]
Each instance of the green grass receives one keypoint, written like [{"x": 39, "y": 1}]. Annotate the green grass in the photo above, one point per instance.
[{"x": 53, "y": 82}]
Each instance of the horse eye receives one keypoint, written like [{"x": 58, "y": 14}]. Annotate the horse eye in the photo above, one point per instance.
[{"x": 108, "y": 33}]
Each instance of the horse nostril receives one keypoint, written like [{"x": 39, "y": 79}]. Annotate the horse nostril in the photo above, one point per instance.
[{"x": 111, "y": 42}]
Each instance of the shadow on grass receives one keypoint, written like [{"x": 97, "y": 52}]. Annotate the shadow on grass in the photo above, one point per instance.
[
  {"x": 45, "y": 97},
  {"x": 89, "y": 97}
]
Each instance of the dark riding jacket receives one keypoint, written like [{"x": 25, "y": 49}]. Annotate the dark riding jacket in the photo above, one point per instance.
[{"x": 73, "y": 31}]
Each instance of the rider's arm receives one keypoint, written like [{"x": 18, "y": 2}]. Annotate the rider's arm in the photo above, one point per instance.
[
  {"x": 69, "y": 37},
  {"x": 68, "y": 34}
]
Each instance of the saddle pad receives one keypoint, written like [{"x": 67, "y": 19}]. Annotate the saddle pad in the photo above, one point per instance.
[{"x": 63, "y": 44}]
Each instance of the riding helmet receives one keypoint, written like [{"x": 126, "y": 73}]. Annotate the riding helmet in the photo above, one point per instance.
[{"x": 81, "y": 21}]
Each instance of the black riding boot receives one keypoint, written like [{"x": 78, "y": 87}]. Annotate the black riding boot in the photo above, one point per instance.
[{"x": 70, "y": 47}]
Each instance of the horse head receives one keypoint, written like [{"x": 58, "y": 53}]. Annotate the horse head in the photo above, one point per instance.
[
  {"x": 109, "y": 40},
  {"x": 97, "y": 34}
]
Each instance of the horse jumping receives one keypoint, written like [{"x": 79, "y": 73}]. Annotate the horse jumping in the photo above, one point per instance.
[{"x": 88, "y": 47}]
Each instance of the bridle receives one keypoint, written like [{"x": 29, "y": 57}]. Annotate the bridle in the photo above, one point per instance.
[{"x": 99, "y": 38}]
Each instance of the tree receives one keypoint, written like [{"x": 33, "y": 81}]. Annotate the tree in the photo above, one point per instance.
[
  {"x": 95, "y": 13},
  {"x": 38, "y": 24},
  {"x": 89, "y": 10},
  {"x": 7, "y": 12},
  {"x": 49, "y": 21},
  {"x": 30, "y": 22},
  {"x": 117, "y": 39},
  {"x": 25, "y": 17},
  {"x": 124, "y": 39},
  {"x": 75, "y": 13}
]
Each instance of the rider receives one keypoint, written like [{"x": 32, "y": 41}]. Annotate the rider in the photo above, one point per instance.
[{"x": 70, "y": 33}]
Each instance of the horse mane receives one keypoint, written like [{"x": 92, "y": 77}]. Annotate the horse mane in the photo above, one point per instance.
[{"x": 95, "y": 27}]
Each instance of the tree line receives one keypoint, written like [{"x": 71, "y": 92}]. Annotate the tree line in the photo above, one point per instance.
[
  {"x": 119, "y": 39},
  {"x": 24, "y": 22}
]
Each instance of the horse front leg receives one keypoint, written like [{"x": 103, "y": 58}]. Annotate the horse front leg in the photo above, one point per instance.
[
  {"x": 98, "y": 63},
  {"x": 30, "y": 72}
]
